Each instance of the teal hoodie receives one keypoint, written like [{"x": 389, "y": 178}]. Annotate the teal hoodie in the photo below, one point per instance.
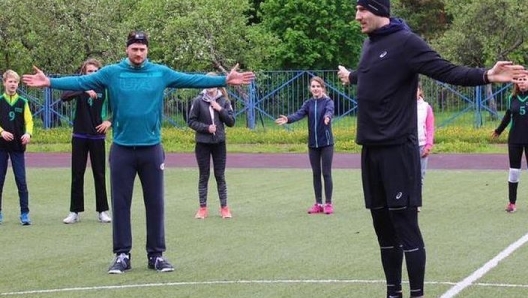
[{"x": 136, "y": 96}]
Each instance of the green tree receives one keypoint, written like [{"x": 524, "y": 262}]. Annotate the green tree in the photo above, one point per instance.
[
  {"x": 253, "y": 11},
  {"x": 201, "y": 35},
  {"x": 313, "y": 34},
  {"x": 484, "y": 31},
  {"x": 57, "y": 35},
  {"x": 197, "y": 35},
  {"x": 427, "y": 18}
]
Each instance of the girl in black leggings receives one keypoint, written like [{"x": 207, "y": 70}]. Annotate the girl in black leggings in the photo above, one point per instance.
[
  {"x": 319, "y": 109},
  {"x": 209, "y": 112},
  {"x": 517, "y": 138}
]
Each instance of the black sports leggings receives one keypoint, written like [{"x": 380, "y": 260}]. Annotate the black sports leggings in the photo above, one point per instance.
[
  {"x": 204, "y": 152},
  {"x": 398, "y": 234},
  {"x": 515, "y": 153},
  {"x": 321, "y": 162}
]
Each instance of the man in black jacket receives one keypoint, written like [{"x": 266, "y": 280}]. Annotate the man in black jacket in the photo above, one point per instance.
[{"x": 387, "y": 77}]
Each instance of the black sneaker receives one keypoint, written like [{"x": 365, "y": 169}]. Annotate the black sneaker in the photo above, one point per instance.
[
  {"x": 159, "y": 264},
  {"x": 120, "y": 264}
]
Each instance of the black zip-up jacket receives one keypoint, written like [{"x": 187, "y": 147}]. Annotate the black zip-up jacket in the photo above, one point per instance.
[
  {"x": 89, "y": 112},
  {"x": 387, "y": 77},
  {"x": 319, "y": 133},
  {"x": 200, "y": 118}
]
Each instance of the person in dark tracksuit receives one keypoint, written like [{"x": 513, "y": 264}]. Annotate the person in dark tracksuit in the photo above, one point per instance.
[
  {"x": 16, "y": 128},
  {"x": 517, "y": 115},
  {"x": 90, "y": 124},
  {"x": 319, "y": 109},
  {"x": 387, "y": 79},
  {"x": 210, "y": 112},
  {"x": 136, "y": 88}
]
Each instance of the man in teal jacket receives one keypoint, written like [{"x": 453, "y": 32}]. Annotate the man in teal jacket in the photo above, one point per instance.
[{"x": 136, "y": 88}]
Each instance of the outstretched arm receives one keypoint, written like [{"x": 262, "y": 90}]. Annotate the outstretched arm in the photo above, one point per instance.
[
  {"x": 281, "y": 120},
  {"x": 239, "y": 78},
  {"x": 39, "y": 79},
  {"x": 505, "y": 72}
]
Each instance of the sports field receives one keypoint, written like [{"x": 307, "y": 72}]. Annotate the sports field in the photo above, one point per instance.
[{"x": 271, "y": 247}]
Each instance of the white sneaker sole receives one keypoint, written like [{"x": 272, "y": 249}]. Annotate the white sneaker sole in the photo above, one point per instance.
[{"x": 69, "y": 222}]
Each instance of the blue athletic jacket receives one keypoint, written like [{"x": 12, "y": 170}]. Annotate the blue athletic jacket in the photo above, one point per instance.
[
  {"x": 136, "y": 96},
  {"x": 319, "y": 134}
]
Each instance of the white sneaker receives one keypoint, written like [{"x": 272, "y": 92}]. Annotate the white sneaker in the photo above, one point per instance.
[
  {"x": 104, "y": 217},
  {"x": 72, "y": 218}
]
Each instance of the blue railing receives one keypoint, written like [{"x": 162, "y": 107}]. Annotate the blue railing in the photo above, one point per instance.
[{"x": 282, "y": 92}]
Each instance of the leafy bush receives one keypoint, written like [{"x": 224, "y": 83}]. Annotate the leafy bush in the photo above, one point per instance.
[{"x": 277, "y": 139}]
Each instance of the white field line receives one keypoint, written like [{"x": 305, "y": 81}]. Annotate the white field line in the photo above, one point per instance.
[
  {"x": 189, "y": 283},
  {"x": 224, "y": 282},
  {"x": 468, "y": 281}
]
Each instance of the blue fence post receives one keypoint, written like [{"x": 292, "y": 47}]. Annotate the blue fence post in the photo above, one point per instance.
[
  {"x": 478, "y": 106},
  {"x": 279, "y": 92},
  {"x": 48, "y": 100},
  {"x": 251, "y": 105}
]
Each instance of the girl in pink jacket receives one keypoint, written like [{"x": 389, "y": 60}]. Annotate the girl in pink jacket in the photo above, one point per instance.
[{"x": 425, "y": 129}]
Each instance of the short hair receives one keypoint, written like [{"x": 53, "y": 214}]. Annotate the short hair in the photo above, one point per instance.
[
  {"x": 137, "y": 37},
  {"x": 91, "y": 61},
  {"x": 10, "y": 74}
]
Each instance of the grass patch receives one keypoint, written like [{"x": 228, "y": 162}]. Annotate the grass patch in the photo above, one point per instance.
[
  {"x": 292, "y": 139},
  {"x": 270, "y": 248}
]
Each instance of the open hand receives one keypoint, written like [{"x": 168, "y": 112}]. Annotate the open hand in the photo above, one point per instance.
[
  {"x": 506, "y": 72},
  {"x": 281, "y": 120},
  {"x": 239, "y": 78},
  {"x": 39, "y": 79}
]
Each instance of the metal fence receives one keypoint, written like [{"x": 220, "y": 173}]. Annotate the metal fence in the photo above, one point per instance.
[{"x": 282, "y": 92}]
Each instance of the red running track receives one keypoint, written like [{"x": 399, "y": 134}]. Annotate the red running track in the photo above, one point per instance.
[{"x": 295, "y": 160}]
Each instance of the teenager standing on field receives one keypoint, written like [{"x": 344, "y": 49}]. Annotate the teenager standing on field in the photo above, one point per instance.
[
  {"x": 392, "y": 57},
  {"x": 136, "y": 87},
  {"x": 426, "y": 130},
  {"x": 90, "y": 124},
  {"x": 16, "y": 128},
  {"x": 319, "y": 109},
  {"x": 516, "y": 114},
  {"x": 210, "y": 112}
]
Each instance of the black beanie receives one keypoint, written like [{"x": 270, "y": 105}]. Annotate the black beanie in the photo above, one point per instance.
[
  {"x": 137, "y": 37},
  {"x": 378, "y": 7}
]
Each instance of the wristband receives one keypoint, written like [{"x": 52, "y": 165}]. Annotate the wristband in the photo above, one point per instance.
[{"x": 485, "y": 77}]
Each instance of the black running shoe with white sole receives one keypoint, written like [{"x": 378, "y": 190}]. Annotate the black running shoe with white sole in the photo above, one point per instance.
[
  {"x": 120, "y": 264},
  {"x": 159, "y": 264}
]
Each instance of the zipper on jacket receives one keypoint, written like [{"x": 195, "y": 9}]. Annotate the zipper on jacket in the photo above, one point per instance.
[{"x": 315, "y": 125}]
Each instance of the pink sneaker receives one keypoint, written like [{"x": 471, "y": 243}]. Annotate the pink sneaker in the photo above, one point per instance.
[
  {"x": 328, "y": 209},
  {"x": 510, "y": 208},
  {"x": 225, "y": 212},
  {"x": 316, "y": 208},
  {"x": 202, "y": 213}
]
